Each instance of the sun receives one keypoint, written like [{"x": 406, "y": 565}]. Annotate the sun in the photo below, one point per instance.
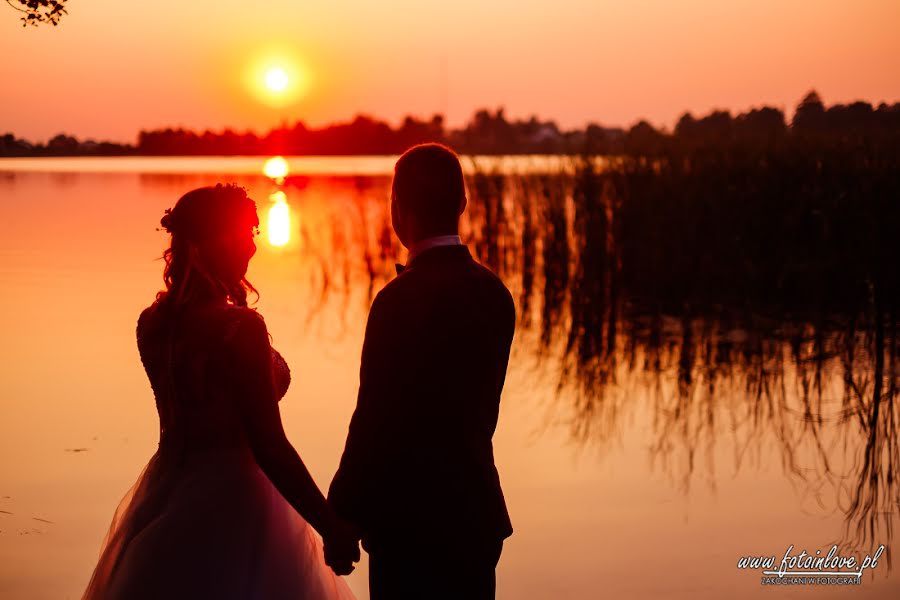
[
  {"x": 277, "y": 79},
  {"x": 276, "y": 168}
]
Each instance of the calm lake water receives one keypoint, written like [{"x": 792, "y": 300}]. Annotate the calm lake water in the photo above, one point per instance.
[{"x": 641, "y": 453}]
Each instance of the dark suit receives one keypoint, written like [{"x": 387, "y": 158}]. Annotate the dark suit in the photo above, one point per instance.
[{"x": 417, "y": 474}]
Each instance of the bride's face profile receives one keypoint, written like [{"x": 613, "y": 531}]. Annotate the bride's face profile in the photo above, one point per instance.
[{"x": 230, "y": 252}]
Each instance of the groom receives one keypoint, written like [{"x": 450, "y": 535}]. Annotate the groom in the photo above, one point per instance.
[{"x": 417, "y": 475}]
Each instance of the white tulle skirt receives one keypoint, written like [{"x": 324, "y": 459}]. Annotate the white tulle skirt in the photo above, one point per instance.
[{"x": 210, "y": 526}]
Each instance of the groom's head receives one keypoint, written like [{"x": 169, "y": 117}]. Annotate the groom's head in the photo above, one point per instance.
[{"x": 428, "y": 194}]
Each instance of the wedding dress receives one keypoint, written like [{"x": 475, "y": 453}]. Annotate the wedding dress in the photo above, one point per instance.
[{"x": 202, "y": 520}]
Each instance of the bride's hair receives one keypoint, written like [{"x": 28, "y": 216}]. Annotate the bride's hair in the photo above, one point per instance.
[{"x": 198, "y": 218}]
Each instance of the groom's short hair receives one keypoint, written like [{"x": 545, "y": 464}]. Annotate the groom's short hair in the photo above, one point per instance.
[{"x": 428, "y": 183}]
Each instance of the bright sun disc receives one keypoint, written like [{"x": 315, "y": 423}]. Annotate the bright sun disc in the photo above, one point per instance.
[
  {"x": 276, "y": 168},
  {"x": 276, "y": 79}
]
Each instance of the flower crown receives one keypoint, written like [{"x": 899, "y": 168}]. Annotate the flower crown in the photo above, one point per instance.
[
  {"x": 167, "y": 222},
  {"x": 172, "y": 224}
]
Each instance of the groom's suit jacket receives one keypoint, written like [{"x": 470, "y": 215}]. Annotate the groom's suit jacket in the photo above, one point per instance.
[{"x": 419, "y": 461}]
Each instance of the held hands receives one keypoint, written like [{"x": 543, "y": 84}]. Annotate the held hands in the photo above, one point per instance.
[{"x": 342, "y": 547}]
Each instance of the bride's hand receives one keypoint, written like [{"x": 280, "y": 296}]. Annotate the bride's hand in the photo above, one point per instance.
[{"x": 341, "y": 546}]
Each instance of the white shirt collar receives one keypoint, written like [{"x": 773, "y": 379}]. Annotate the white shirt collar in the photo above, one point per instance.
[{"x": 432, "y": 242}]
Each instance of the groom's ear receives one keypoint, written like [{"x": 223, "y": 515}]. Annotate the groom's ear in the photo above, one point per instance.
[
  {"x": 396, "y": 220},
  {"x": 462, "y": 205}
]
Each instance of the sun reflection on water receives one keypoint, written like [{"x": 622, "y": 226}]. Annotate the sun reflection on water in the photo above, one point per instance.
[{"x": 279, "y": 226}]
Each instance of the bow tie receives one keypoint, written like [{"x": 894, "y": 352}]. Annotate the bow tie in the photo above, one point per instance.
[{"x": 400, "y": 268}]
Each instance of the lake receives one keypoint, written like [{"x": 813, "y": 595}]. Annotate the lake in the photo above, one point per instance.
[{"x": 643, "y": 447}]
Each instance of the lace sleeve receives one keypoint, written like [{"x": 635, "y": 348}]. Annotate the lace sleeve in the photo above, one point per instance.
[
  {"x": 281, "y": 373},
  {"x": 141, "y": 327}
]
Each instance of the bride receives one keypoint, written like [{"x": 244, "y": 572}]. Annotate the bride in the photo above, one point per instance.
[{"x": 225, "y": 508}]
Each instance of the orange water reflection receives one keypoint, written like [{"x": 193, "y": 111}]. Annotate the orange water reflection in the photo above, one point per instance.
[
  {"x": 279, "y": 219},
  {"x": 686, "y": 444}
]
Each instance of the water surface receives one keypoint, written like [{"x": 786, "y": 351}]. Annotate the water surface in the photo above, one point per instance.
[{"x": 642, "y": 452}]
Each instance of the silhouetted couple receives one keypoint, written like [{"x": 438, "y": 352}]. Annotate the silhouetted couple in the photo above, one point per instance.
[{"x": 226, "y": 508}]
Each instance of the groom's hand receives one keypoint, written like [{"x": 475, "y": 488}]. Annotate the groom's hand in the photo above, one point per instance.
[
  {"x": 339, "y": 564},
  {"x": 342, "y": 548}
]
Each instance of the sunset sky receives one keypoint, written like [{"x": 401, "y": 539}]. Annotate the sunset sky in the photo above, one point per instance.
[{"x": 113, "y": 67}]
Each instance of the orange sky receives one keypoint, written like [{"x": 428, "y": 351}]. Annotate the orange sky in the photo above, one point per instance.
[{"x": 112, "y": 67}]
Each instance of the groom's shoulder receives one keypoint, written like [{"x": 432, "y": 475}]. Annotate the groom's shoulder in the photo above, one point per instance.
[
  {"x": 402, "y": 294},
  {"x": 487, "y": 274},
  {"x": 413, "y": 286},
  {"x": 397, "y": 288},
  {"x": 491, "y": 280}
]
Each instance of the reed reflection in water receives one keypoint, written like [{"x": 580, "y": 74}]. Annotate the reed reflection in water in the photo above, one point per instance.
[
  {"x": 621, "y": 305},
  {"x": 671, "y": 390}
]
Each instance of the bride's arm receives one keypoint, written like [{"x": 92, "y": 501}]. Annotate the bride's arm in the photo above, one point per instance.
[{"x": 257, "y": 402}]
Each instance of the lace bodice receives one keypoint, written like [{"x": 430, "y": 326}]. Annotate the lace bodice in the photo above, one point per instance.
[
  {"x": 281, "y": 373},
  {"x": 193, "y": 368}
]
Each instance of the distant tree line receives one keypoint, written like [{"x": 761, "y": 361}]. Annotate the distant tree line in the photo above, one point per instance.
[
  {"x": 488, "y": 132},
  {"x": 763, "y": 130}
]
